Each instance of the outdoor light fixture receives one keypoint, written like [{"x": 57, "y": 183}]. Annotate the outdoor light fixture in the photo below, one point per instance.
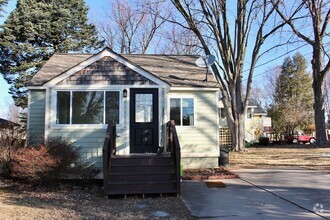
[{"x": 125, "y": 93}]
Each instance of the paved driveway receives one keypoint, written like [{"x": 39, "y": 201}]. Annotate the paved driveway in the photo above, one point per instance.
[{"x": 290, "y": 193}]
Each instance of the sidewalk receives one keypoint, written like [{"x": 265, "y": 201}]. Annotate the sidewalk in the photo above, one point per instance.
[{"x": 291, "y": 193}]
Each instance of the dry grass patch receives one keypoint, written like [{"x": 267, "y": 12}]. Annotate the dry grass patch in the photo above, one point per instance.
[
  {"x": 82, "y": 202},
  {"x": 305, "y": 156}
]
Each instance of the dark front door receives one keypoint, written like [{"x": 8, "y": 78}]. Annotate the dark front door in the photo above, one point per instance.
[{"x": 144, "y": 123}]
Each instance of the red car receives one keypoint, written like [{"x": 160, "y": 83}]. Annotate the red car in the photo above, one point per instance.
[{"x": 303, "y": 138}]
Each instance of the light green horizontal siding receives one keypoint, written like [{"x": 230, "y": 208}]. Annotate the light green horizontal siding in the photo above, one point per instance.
[
  {"x": 199, "y": 144},
  {"x": 90, "y": 142},
  {"x": 37, "y": 106}
]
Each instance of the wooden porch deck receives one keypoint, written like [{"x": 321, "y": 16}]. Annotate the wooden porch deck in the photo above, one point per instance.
[{"x": 141, "y": 173}]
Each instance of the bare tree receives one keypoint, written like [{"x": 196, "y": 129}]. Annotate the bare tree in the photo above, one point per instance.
[
  {"x": 180, "y": 41},
  {"x": 2, "y": 4},
  {"x": 130, "y": 26},
  {"x": 314, "y": 14},
  {"x": 12, "y": 112},
  {"x": 269, "y": 84},
  {"x": 235, "y": 33}
]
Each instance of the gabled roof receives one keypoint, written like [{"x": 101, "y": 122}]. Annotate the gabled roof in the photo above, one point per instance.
[
  {"x": 176, "y": 70},
  {"x": 56, "y": 65},
  {"x": 7, "y": 124},
  {"x": 258, "y": 110}
]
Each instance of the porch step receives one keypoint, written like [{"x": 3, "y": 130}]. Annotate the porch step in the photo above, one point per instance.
[
  {"x": 140, "y": 169},
  {"x": 146, "y": 187},
  {"x": 140, "y": 192},
  {"x": 141, "y": 175},
  {"x": 141, "y": 160}
]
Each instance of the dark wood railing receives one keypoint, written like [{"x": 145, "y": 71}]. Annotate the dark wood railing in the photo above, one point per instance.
[
  {"x": 173, "y": 147},
  {"x": 109, "y": 149}
]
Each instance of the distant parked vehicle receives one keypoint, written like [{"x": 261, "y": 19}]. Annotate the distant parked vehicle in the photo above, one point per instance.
[{"x": 301, "y": 138}]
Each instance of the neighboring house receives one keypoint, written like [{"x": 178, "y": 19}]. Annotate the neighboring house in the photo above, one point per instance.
[
  {"x": 256, "y": 123},
  {"x": 75, "y": 95},
  {"x": 8, "y": 130}
]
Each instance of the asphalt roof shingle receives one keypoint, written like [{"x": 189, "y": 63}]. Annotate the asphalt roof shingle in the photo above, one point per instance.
[
  {"x": 257, "y": 109},
  {"x": 7, "y": 124},
  {"x": 176, "y": 70}
]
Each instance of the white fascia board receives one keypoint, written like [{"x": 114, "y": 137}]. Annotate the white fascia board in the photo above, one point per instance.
[
  {"x": 259, "y": 113},
  {"x": 36, "y": 87},
  {"x": 101, "y": 87},
  {"x": 193, "y": 89},
  {"x": 97, "y": 57}
]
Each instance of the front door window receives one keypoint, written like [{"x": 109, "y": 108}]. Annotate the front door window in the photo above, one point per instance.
[{"x": 143, "y": 108}]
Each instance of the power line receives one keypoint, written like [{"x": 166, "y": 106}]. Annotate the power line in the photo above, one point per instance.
[
  {"x": 272, "y": 68},
  {"x": 276, "y": 59},
  {"x": 269, "y": 61}
]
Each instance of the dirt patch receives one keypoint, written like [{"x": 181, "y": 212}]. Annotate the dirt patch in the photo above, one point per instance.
[
  {"x": 305, "y": 156},
  {"x": 215, "y": 184},
  {"x": 208, "y": 174},
  {"x": 67, "y": 201}
]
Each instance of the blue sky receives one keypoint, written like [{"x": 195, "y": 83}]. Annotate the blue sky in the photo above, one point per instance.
[{"x": 97, "y": 9}]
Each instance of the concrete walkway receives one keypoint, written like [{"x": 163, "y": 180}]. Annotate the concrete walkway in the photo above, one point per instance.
[{"x": 287, "y": 193}]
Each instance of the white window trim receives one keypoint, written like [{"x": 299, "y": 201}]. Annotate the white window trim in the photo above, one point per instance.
[
  {"x": 247, "y": 113},
  {"x": 84, "y": 126},
  {"x": 222, "y": 109},
  {"x": 183, "y": 97}
]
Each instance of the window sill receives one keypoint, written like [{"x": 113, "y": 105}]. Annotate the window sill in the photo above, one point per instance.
[{"x": 80, "y": 126}]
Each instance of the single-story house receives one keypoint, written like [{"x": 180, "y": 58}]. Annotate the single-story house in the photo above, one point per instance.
[
  {"x": 256, "y": 123},
  {"x": 76, "y": 95},
  {"x": 8, "y": 129}
]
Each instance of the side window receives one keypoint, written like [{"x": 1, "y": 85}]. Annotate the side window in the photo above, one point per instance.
[
  {"x": 249, "y": 113},
  {"x": 222, "y": 113},
  {"x": 63, "y": 108},
  {"x": 182, "y": 111}
]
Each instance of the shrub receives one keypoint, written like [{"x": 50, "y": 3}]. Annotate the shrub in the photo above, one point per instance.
[
  {"x": 66, "y": 154},
  {"x": 264, "y": 141},
  {"x": 8, "y": 145},
  {"x": 32, "y": 163},
  {"x": 59, "y": 158}
]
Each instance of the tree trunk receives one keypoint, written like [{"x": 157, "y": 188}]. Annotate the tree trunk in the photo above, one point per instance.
[
  {"x": 241, "y": 129},
  {"x": 237, "y": 129},
  {"x": 319, "y": 94},
  {"x": 319, "y": 113}
]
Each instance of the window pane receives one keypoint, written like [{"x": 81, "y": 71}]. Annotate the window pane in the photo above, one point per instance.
[
  {"x": 249, "y": 113},
  {"x": 188, "y": 112},
  {"x": 143, "y": 107},
  {"x": 87, "y": 107},
  {"x": 175, "y": 111},
  {"x": 63, "y": 108},
  {"x": 112, "y": 107},
  {"x": 222, "y": 113}
]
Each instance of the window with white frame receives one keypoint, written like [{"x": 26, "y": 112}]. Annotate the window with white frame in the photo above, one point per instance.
[
  {"x": 249, "y": 113},
  {"x": 222, "y": 113},
  {"x": 182, "y": 111},
  {"x": 87, "y": 107}
]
